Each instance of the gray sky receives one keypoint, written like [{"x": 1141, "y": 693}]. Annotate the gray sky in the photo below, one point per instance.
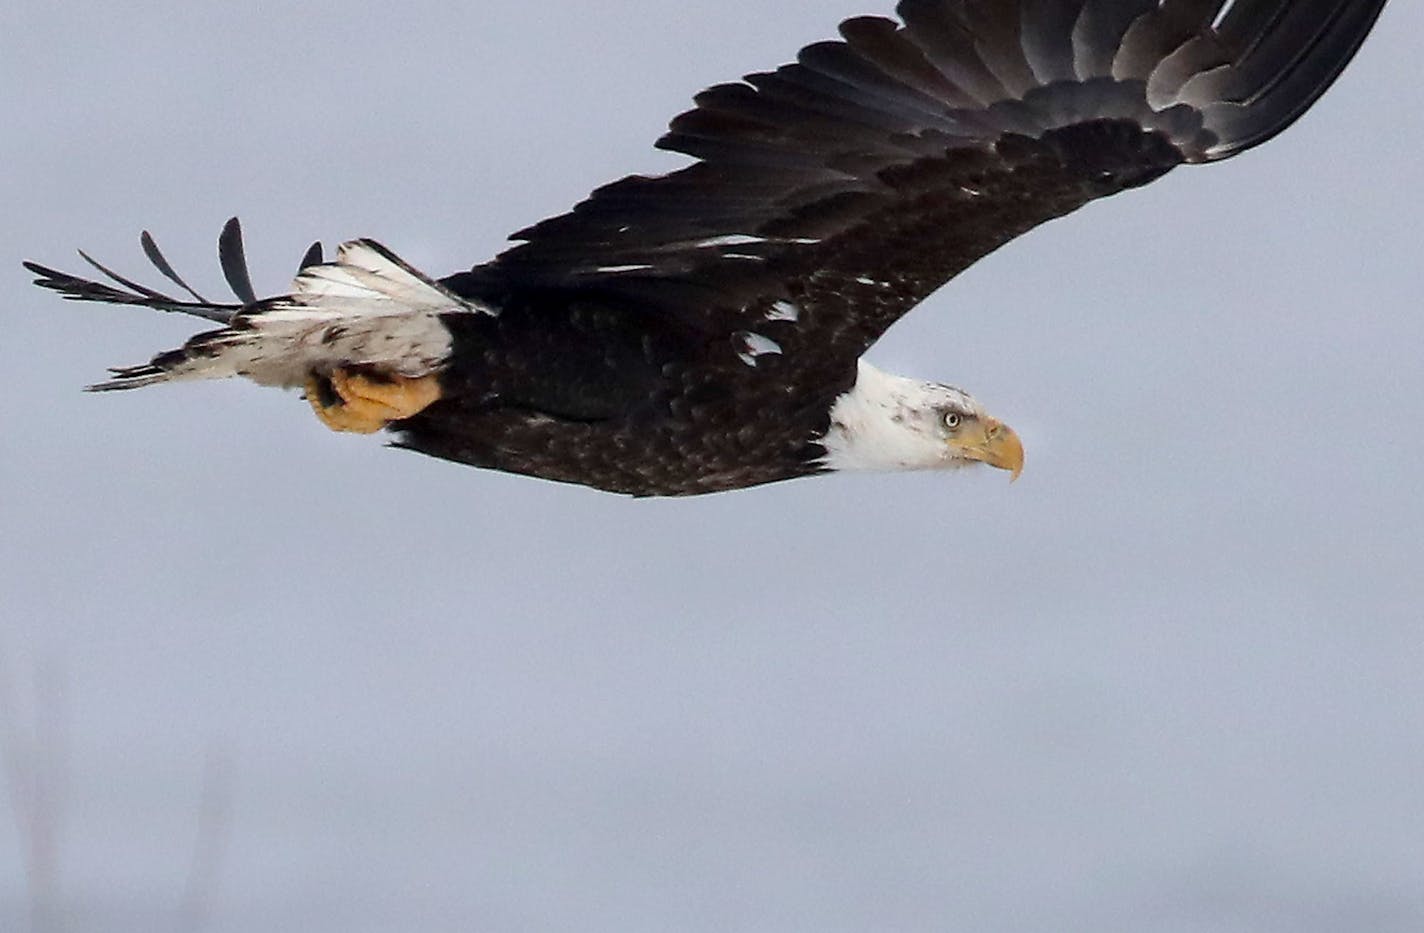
[{"x": 1170, "y": 681}]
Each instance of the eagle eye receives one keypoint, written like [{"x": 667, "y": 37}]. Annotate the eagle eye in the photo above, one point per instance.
[{"x": 953, "y": 420}]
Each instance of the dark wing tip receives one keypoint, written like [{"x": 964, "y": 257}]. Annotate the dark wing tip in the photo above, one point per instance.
[
  {"x": 1291, "y": 56},
  {"x": 77, "y": 288},
  {"x": 312, "y": 257},
  {"x": 233, "y": 259},
  {"x": 160, "y": 262}
]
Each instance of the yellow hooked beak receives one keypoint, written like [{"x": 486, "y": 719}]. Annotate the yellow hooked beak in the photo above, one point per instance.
[{"x": 988, "y": 440}]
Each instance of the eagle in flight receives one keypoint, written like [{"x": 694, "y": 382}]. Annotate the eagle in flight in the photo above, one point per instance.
[{"x": 703, "y": 330}]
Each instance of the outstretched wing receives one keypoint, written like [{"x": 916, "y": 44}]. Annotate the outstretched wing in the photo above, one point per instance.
[
  {"x": 831, "y": 196},
  {"x": 366, "y": 307}
]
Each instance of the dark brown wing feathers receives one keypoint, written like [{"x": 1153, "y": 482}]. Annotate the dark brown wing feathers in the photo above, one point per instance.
[{"x": 903, "y": 153}]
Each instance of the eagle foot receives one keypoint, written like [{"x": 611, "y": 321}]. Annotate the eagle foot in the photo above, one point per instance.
[{"x": 361, "y": 402}]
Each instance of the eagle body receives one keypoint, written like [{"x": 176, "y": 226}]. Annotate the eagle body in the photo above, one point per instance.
[
  {"x": 581, "y": 384},
  {"x": 706, "y": 330},
  {"x": 622, "y": 400}
]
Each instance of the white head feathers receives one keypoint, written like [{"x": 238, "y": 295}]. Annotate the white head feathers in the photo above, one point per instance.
[{"x": 889, "y": 422}]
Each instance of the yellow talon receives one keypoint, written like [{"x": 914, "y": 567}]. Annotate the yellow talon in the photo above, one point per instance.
[{"x": 360, "y": 403}]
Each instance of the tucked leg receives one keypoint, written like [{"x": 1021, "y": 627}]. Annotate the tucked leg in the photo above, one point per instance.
[{"x": 364, "y": 403}]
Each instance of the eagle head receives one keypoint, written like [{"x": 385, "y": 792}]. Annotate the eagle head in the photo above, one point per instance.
[{"x": 889, "y": 422}]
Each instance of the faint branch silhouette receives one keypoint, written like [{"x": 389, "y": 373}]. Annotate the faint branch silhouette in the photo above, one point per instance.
[
  {"x": 34, "y": 763},
  {"x": 35, "y": 755},
  {"x": 209, "y": 844}
]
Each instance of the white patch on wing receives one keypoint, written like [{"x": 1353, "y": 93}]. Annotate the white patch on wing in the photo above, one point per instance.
[
  {"x": 742, "y": 239},
  {"x": 635, "y": 267},
  {"x": 784, "y": 311},
  {"x": 367, "y": 308},
  {"x": 733, "y": 240},
  {"x": 755, "y": 346}
]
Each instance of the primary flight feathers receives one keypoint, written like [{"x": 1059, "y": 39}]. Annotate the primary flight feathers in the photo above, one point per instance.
[{"x": 703, "y": 330}]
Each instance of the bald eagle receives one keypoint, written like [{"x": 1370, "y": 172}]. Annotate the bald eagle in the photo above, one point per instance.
[{"x": 704, "y": 330}]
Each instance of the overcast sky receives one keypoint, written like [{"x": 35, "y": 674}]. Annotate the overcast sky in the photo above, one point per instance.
[{"x": 1170, "y": 681}]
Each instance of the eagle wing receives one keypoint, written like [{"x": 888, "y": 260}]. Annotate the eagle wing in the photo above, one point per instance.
[
  {"x": 826, "y": 199},
  {"x": 832, "y": 195},
  {"x": 367, "y": 307}
]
